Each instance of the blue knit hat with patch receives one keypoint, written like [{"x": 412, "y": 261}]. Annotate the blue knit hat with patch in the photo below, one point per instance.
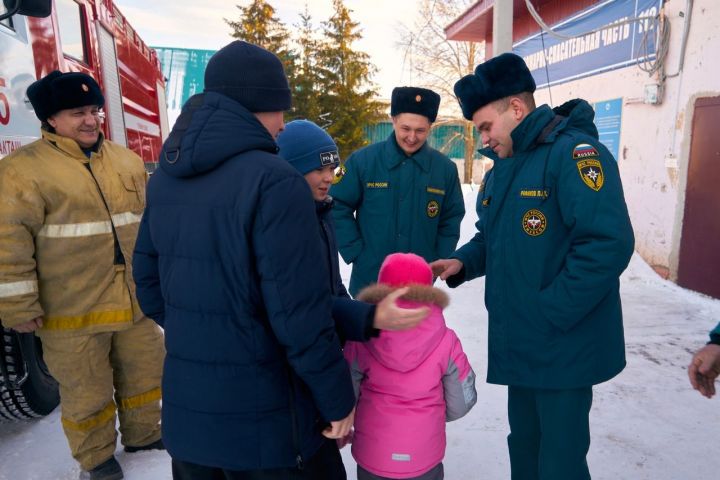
[{"x": 307, "y": 147}]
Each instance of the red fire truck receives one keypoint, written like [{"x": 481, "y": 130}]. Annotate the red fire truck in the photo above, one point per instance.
[{"x": 90, "y": 36}]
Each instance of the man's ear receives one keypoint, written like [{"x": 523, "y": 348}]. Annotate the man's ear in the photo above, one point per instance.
[{"x": 518, "y": 108}]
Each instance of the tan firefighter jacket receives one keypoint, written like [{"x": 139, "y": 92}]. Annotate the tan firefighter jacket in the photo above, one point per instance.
[{"x": 57, "y": 249}]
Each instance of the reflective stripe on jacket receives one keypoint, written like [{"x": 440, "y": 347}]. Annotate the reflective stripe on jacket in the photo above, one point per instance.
[{"x": 57, "y": 215}]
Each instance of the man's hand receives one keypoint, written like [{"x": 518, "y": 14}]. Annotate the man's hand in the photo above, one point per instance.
[
  {"x": 29, "y": 326},
  {"x": 347, "y": 439},
  {"x": 446, "y": 268},
  {"x": 704, "y": 369},
  {"x": 340, "y": 428},
  {"x": 388, "y": 316}
]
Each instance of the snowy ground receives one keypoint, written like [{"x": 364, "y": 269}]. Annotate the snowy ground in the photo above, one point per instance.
[{"x": 647, "y": 423}]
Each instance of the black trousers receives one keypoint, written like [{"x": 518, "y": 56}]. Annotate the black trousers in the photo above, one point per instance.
[{"x": 326, "y": 464}]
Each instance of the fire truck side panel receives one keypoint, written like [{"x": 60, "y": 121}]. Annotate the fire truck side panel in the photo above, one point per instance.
[{"x": 18, "y": 123}]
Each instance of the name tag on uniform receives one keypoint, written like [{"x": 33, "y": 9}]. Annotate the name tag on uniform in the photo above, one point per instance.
[
  {"x": 534, "y": 193},
  {"x": 376, "y": 185}
]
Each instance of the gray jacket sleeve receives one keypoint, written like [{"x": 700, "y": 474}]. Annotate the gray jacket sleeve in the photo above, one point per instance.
[{"x": 458, "y": 383}]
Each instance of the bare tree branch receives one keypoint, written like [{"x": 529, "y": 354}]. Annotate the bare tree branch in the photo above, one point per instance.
[{"x": 438, "y": 62}]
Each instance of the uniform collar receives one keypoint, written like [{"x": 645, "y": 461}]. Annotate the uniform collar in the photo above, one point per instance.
[
  {"x": 395, "y": 155},
  {"x": 527, "y": 132},
  {"x": 69, "y": 146}
]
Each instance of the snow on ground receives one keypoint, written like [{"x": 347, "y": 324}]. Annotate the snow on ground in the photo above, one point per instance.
[{"x": 647, "y": 423}]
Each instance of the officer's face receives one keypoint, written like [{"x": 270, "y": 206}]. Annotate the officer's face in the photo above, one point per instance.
[
  {"x": 320, "y": 180},
  {"x": 411, "y": 131},
  {"x": 80, "y": 124},
  {"x": 495, "y": 122}
]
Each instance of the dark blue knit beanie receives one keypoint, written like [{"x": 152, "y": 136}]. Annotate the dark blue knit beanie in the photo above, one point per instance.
[
  {"x": 499, "y": 77},
  {"x": 250, "y": 75},
  {"x": 307, "y": 147}
]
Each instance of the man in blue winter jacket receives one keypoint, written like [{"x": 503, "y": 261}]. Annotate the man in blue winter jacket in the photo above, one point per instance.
[
  {"x": 553, "y": 237},
  {"x": 229, "y": 261}
]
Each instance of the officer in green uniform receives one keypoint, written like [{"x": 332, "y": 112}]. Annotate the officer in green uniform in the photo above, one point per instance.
[
  {"x": 399, "y": 195},
  {"x": 553, "y": 238}
]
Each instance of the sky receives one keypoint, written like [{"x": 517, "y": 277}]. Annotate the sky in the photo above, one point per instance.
[
  {"x": 646, "y": 424},
  {"x": 200, "y": 25}
]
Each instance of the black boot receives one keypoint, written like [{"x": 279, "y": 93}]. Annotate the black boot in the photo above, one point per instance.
[
  {"x": 156, "y": 445},
  {"x": 108, "y": 470}
]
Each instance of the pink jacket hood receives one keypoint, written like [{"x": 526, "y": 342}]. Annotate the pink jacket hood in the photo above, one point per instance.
[{"x": 404, "y": 350}]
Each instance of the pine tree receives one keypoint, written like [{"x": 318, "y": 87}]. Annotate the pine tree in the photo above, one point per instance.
[
  {"x": 306, "y": 88},
  {"x": 344, "y": 75},
  {"x": 258, "y": 24}
]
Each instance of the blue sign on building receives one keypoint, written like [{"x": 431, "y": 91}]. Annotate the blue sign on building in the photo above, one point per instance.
[
  {"x": 184, "y": 70},
  {"x": 608, "y": 119},
  {"x": 602, "y": 42}
]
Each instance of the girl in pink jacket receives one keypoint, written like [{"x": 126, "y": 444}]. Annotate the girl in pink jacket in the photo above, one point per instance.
[{"x": 407, "y": 383}]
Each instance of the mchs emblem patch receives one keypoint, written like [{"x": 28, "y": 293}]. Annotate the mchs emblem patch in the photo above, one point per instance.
[
  {"x": 433, "y": 208},
  {"x": 591, "y": 173},
  {"x": 534, "y": 222}
]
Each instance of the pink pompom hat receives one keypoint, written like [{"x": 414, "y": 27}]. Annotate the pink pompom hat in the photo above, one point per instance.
[{"x": 401, "y": 269}]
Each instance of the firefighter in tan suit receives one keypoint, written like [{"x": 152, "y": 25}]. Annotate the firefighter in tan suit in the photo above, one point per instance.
[{"x": 70, "y": 207}]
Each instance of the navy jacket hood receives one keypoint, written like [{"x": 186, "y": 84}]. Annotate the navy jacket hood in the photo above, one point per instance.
[{"x": 206, "y": 135}]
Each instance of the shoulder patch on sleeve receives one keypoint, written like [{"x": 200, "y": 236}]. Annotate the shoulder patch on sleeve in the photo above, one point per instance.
[
  {"x": 584, "y": 150},
  {"x": 591, "y": 173}
]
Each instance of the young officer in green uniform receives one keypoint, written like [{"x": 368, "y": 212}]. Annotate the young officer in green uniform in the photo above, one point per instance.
[
  {"x": 399, "y": 195},
  {"x": 553, "y": 238}
]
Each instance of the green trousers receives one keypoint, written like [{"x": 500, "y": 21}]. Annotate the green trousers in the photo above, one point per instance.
[{"x": 549, "y": 433}]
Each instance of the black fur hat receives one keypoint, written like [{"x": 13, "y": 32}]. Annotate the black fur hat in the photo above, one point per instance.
[
  {"x": 59, "y": 91},
  {"x": 415, "y": 100},
  {"x": 499, "y": 77}
]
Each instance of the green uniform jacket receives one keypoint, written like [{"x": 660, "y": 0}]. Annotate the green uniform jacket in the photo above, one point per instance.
[
  {"x": 715, "y": 335},
  {"x": 553, "y": 238},
  {"x": 389, "y": 202}
]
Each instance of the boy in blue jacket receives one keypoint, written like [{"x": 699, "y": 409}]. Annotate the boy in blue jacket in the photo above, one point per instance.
[{"x": 314, "y": 154}]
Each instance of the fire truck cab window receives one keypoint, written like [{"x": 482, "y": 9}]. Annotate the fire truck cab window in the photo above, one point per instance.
[{"x": 72, "y": 30}]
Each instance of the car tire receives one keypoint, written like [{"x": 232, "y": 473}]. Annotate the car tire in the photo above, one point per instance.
[{"x": 38, "y": 394}]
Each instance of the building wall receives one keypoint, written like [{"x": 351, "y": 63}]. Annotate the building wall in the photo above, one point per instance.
[{"x": 655, "y": 139}]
